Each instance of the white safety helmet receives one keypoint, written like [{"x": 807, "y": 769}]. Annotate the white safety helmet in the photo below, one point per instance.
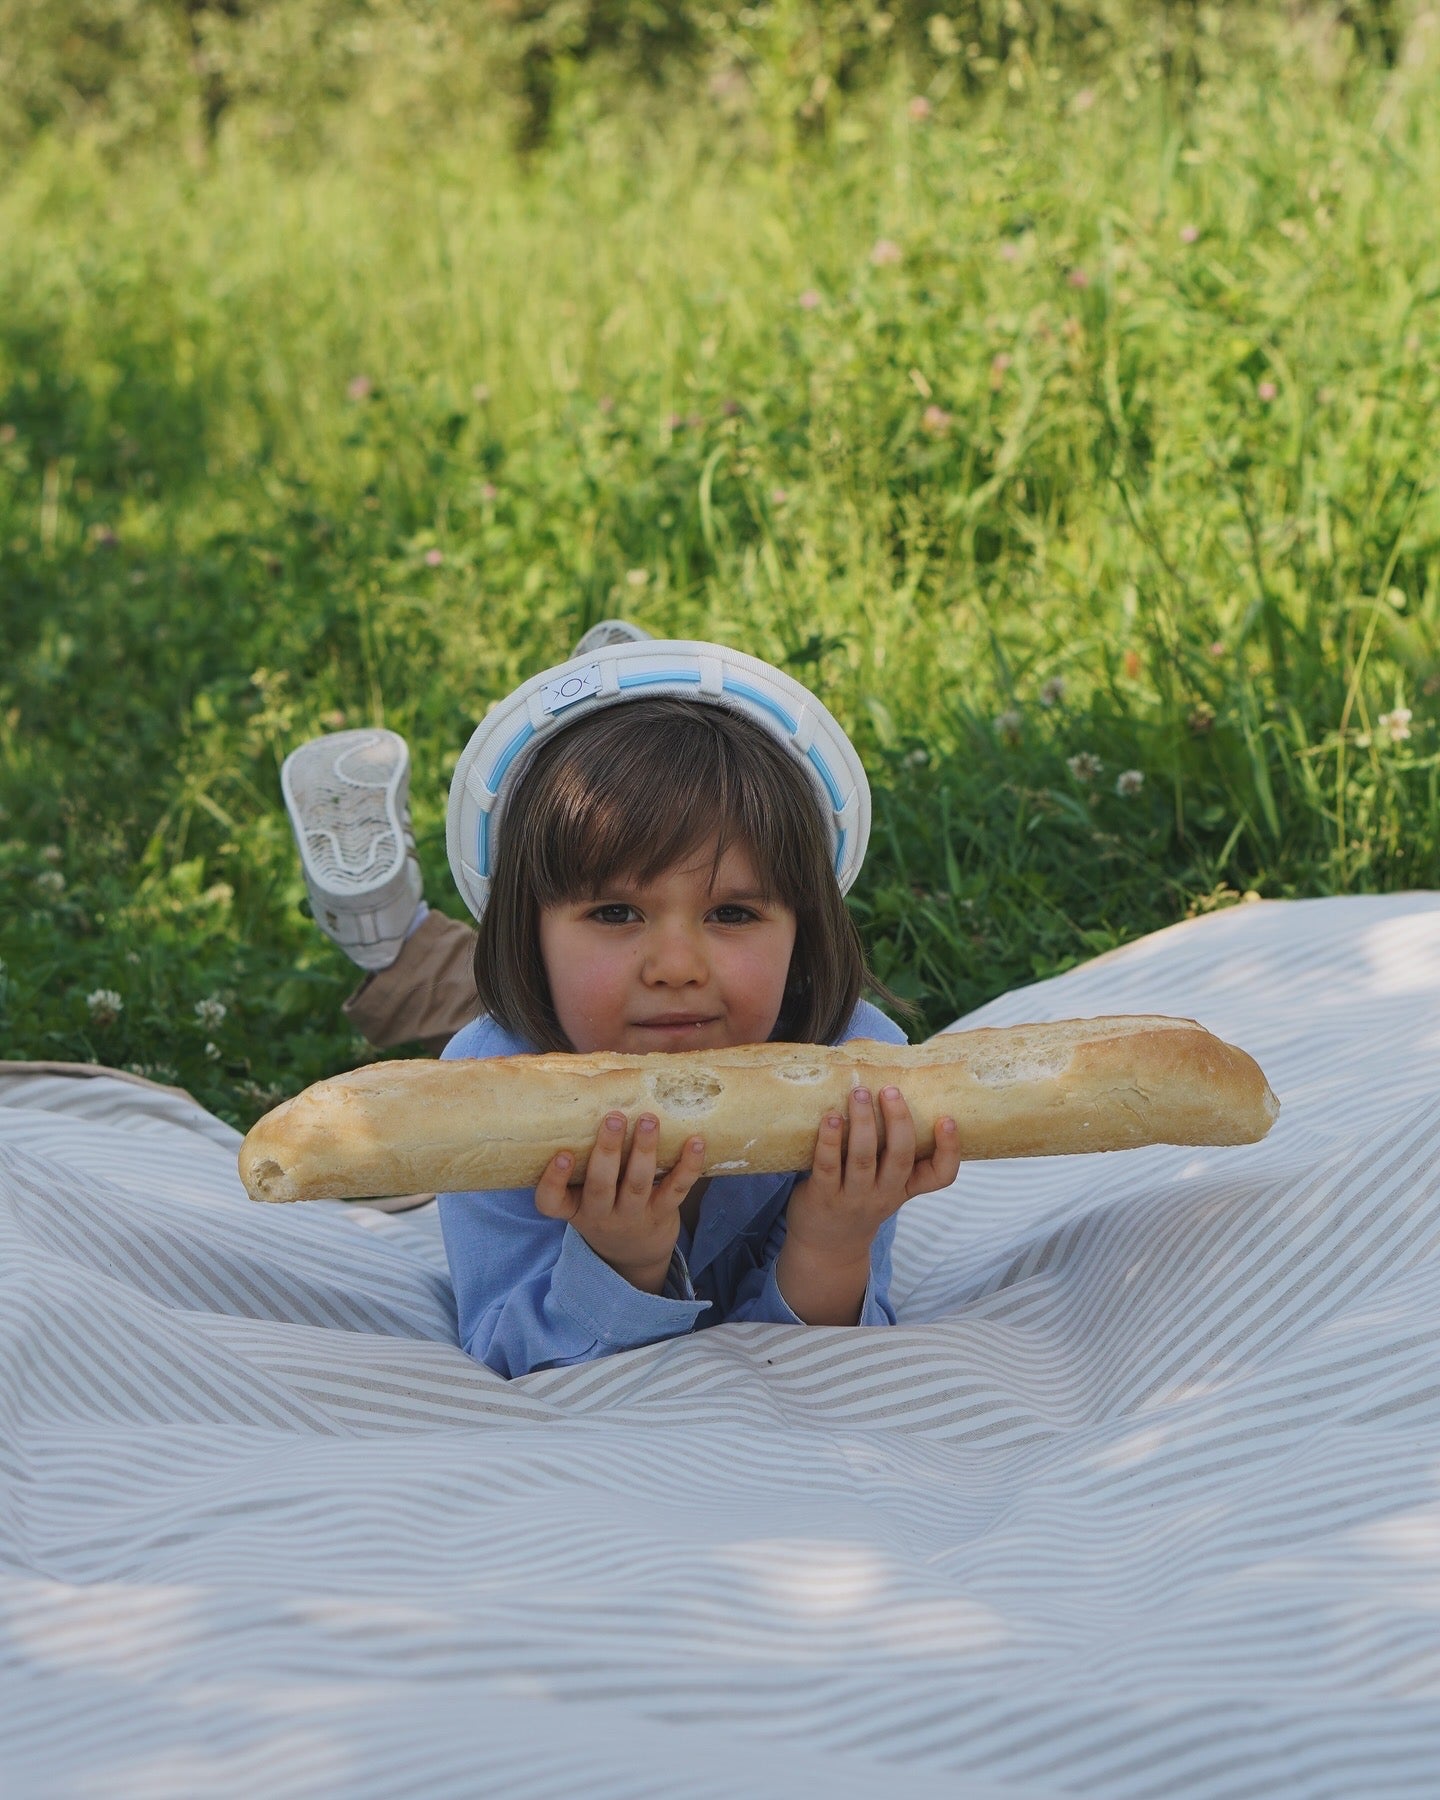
[{"x": 500, "y": 749}]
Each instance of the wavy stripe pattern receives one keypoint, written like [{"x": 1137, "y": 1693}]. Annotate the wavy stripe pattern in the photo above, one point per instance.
[{"x": 1141, "y": 1499}]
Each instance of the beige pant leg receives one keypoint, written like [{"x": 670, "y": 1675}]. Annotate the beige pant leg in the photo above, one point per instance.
[{"x": 426, "y": 994}]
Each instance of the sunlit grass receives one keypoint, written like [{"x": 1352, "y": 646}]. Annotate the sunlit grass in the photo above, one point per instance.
[{"x": 1123, "y": 449}]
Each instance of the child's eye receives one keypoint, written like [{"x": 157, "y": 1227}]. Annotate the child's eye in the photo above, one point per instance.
[
  {"x": 614, "y": 906},
  {"x": 744, "y": 912}
]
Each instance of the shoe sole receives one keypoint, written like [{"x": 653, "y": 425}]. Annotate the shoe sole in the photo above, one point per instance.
[{"x": 345, "y": 795}]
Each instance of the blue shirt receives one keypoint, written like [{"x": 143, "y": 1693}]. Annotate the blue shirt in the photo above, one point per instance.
[{"x": 530, "y": 1293}]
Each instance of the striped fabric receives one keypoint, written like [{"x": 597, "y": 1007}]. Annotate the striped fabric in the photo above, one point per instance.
[{"x": 1141, "y": 1498}]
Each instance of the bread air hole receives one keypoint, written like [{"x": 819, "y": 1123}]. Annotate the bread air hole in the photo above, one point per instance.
[
  {"x": 690, "y": 1095},
  {"x": 993, "y": 1068},
  {"x": 806, "y": 1072}
]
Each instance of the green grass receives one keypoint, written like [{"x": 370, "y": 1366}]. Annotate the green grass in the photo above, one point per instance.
[{"x": 1182, "y": 356}]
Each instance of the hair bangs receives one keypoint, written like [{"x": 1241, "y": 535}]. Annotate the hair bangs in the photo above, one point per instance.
[{"x": 657, "y": 800}]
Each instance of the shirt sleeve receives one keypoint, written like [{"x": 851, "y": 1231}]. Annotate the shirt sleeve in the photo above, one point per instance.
[
  {"x": 758, "y": 1295},
  {"x": 530, "y": 1293}
]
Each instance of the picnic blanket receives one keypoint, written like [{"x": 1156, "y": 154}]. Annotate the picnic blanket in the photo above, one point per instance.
[{"x": 1140, "y": 1498}]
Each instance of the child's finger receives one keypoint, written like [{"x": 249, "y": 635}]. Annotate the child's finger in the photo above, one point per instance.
[
  {"x": 638, "y": 1182},
  {"x": 860, "y": 1154},
  {"x": 553, "y": 1197},
  {"x": 899, "y": 1135},
  {"x": 602, "y": 1172},
  {"x": 829, "y": 1163},
  {"x": 678, "y": 1183},
  {"x": 940, "y": 1169}
]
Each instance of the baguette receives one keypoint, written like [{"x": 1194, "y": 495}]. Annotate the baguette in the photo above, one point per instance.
[{"x": 1024, "y": 1090}]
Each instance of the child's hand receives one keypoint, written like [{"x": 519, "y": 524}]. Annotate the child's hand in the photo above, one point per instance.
[
  {"x": 630, "y": 1221},
  {"x": 835, "y": 1211}
]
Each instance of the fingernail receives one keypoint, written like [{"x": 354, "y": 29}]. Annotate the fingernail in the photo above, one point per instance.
[
  {"x": 616, "y": 1121},
  {"x": 696, "y": 1146},
  {"x": 890, "y": 1093},
  {"x": 647, "y": 1124},
  {"x": 834, "y": 1121},
  {"x": 862, "y": 1095},
  {"x": 562, "y": 1162}
]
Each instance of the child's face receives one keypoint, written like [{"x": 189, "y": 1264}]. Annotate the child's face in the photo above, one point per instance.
[{"x": 675, "y": 950}]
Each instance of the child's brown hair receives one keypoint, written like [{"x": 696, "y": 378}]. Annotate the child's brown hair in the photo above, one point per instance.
[{"x": 636, "y": 789}]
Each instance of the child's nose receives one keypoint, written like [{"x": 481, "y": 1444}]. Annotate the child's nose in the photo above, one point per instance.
[{"x": 675, "y": 954}]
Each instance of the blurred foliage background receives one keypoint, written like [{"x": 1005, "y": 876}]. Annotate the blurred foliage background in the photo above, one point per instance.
[{"x": 1051, "y": 385}]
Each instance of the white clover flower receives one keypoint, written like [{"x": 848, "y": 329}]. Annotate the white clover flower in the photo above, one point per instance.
[
  {"x": 51, "y": 882},
  {"x": 1008, "y": 724},
  {"x": 918, "y": 757},
  {"x": 53, "y": 854},
  {"x": 1084, "y": 765},
  {"x": 1129, "y": 782},
  {"x": 105, "y": 1006},
  {"x": 1397, "y": 724},
  {"x": 1053, "y": 690},
  {"x": 210, "y": 1012},
  {"x": 213, "y": 1052}
]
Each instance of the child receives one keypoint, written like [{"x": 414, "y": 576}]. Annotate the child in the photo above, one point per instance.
[{"x": 656, "y": 839}]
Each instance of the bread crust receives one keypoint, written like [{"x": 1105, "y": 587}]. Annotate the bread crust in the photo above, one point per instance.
[{"x": 1022, "y": 1090}]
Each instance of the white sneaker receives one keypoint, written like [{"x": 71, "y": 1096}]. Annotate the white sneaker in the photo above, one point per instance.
[
  {"x": 346, "y": 795},
  {"x": 610, "y": 631}
]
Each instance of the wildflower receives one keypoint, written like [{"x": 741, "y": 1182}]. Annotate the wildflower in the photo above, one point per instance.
[
  {"x": 885, "y": 253},
  {"x": 778, "y": 496},
  {"x": 919, "y": 108},
  {"x": 999, "y": 363},
  {"x": 212, "y": 1052},
  {"x": 606, "y": 403},
  {"x": 637, "y": 577},
  {"x": 1009, "y": 250},
  {"x": 104, "y": 537},
  {"x": 808, "y": 301},
  {"x": 1053, "y": 690},
  {"x": 359, "y": 387},
  {"x": 489, "y": 491},
  {"x": 334, "y": 720},
  {"x": 1077, "y": 278},
  {"x": 1189, "y": 233},
  {"x": 1201, "y": 720},
  {"x": 731, "y": 408},
  {"x": 434, "y": 558},
  {"x": 51, "y": 882},
  {"x": 161, "y": 1072},
  {"x": 1008, "y": 724},
  {"x": 1217, "y": 649},
  {"x": 1085, "y": 766},
  {"x": 1130, "y": 662},
  {"x": 480, "y": 393},
  {"x": 1397, "y": 724},
  {"x": 1267, "y": 391},
  {"x": 1129, "y": 782},
  {"x": 52, "y": 854},
  {"x": 210, "y": 1012},
  {"x": 105, "y": 1006},
  {"x": 936, "y": 420},
  {"x": 1083, "y": 100},
  {"x": 918, "y": 757}
]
